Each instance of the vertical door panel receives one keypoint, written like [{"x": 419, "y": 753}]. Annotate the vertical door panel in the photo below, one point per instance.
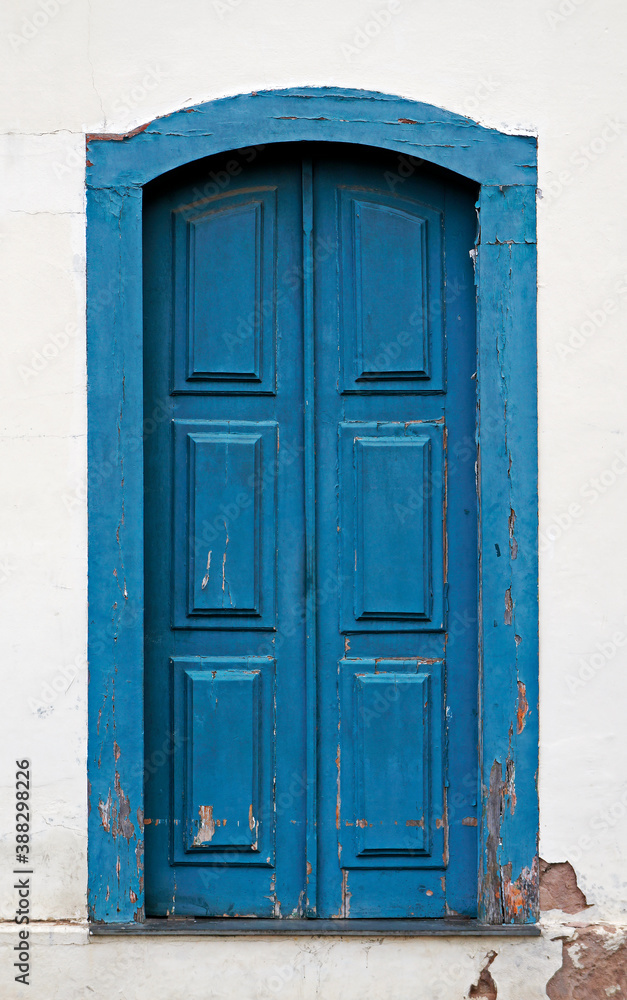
[
  {"x": 311, "y": 525},
  {"x": 393, "y": 553},
  {"x": 224, "y": 532},
  {"x": 397, "y": 523},
  {"x": 225, "y": 708},
  {"x": 392, "y": 761},
  {"x": 225, "y": 293},
  {"x": 224, "y": 764},
  {"x": 390, "y": 269}
]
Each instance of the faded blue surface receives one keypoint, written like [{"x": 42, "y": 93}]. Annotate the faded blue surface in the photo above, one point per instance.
[{"x": 119, "y": 428}]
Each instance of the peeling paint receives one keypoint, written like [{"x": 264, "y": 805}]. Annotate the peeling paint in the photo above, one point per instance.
[
  {"x": 346, "y": 895},
  {"x": 522, "y": 708},
  {"x": 207, "y": 826},
  {"x": 522, "y": 169},
  {"x": 513, "y": 544},
  {"x": 117, "y": 137},
  {"x": 505, "y": 900},
  {"x": 205, "y": 579},
  {"x": 519, "y": 896},
  {"x": 125, "y": 827},
  {"x": 509, "y": 607},
  {"x": 104, "y": 808}
]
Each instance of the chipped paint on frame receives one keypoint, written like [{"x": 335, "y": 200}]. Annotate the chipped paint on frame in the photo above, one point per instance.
[{"x": 504, "y": 166}]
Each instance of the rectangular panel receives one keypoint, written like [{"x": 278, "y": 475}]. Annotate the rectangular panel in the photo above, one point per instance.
[
  {"x": 392, "y": 523},
  {"x": 225, "y": 295},
  {"x": 221, "y": 466},
  {"x": 392, "y": 328},
  {"x": 392, "y": 554},
  {"x": 224, "y": 524},
  {"x": 391, "y": 767},
  {"x": 223, "y": 775},
  {"x": 391, "y": 805}
]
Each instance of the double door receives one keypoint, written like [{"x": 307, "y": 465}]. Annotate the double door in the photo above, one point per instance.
[{"x": 311, "y": 538}]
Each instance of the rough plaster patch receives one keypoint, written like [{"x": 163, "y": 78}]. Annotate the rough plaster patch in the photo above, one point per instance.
[
  {"x": 559, "y": 889},
  {"x": 594, "y": 965},
  {"x": 485, "y": 986}
]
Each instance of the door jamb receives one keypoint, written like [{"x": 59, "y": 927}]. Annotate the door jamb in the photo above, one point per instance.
[{"x": 118, "y": 166}]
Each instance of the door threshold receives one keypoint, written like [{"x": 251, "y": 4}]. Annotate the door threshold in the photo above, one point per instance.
[{"x": 236, "y": 926}]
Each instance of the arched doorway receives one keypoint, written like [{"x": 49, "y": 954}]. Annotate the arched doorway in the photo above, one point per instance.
[
  {"x": 119, "y": 169},
  {"x": 310, "y": 536}
]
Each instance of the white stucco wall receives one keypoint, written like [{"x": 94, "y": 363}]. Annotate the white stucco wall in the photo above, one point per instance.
[{"x": 554, "y": 69}]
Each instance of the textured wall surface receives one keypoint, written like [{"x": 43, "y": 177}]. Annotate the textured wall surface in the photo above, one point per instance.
[{"x": 554, "y": 69}]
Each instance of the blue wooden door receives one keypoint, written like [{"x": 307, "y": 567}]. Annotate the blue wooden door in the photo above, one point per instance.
[{"x": 311, "y": 530}]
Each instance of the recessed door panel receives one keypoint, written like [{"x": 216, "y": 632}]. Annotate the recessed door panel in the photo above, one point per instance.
[
  {"x": 391, "y": 789},
  {"x": 223, "y": 762},
  {"x": 225, "y": 293},
  {"x": 311, "y": 528},
  {"x": 391, "y": 320},
  {"x": 224, "y": 526},
  {"x": 391, "y": 525}
]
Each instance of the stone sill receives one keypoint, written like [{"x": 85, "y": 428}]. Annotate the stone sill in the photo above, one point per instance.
[{"x": 236, "y": 927}]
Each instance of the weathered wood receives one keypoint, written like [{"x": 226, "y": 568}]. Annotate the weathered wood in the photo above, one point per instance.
[
  {"x": 505, "y": 167},
  {"x": 509, "y": 571},
  {"x": 115, "y": 505}
]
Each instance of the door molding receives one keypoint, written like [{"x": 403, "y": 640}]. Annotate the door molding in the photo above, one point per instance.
[{"x": 118, "y": 166}]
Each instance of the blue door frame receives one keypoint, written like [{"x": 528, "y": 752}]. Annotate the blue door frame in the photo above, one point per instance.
[{"x": 505, "y": 168}]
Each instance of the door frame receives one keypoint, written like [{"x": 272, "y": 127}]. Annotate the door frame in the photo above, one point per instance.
[{"x": 504, "y": 166}]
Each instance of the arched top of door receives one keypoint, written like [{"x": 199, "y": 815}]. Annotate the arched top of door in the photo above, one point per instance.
[
  {"x": 319, "y": 114},
  {"x": 504, "y": 166}
]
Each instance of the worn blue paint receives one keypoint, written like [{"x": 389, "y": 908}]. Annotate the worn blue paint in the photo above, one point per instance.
[
  {"x": 381, "y": 291},
  {"x": 215, "y": 356},
  {"x": 116, "y": 543},
  {"x": 325, "y": 113},
  {"x": 224, "y": 579},
  {"x": 392, "y": 754},
  {"x": 225, "y": 508},
  {"x": 223, "y": 765},
  {"x": 374, "y": 522},
  {"x": 392, "y": 508},
  {"x": 506, "y": 275},
  {"x": 387, "y": 499},
  {"x": 504, "y": 166},
  {"x": 311, "y": 575}
]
